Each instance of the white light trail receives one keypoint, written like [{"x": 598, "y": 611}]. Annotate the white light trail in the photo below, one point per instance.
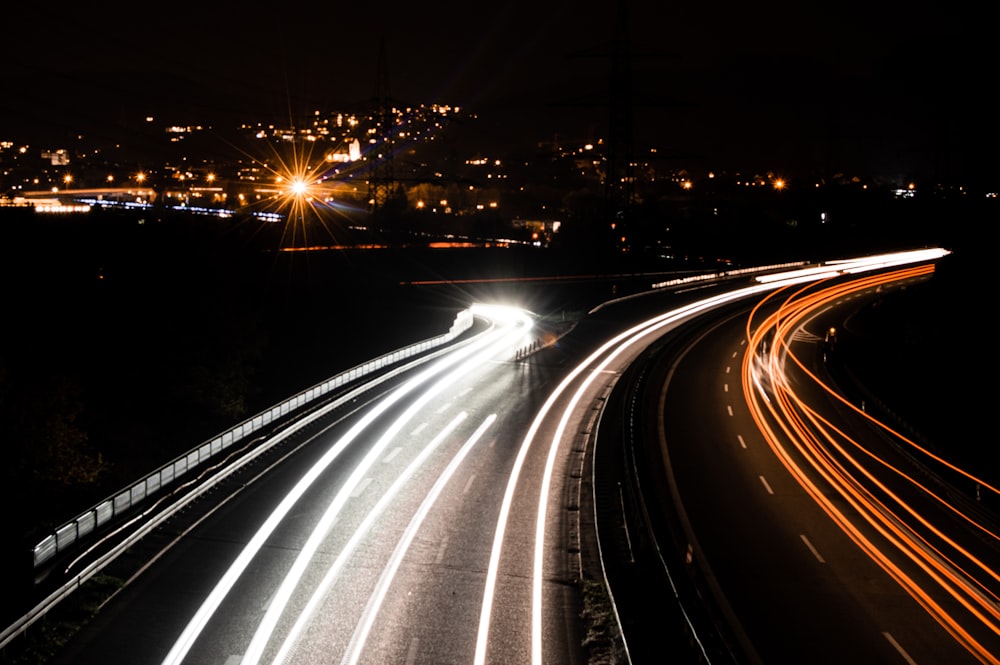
[
  {"x": 257, "y": 644},
  {"x": 834, "y": 268},
  {"x": 488, "y": 340},
  {"x": 494, "y": 564},
  {"x": 277, "y": 606},
  {"x": 641, "y": 332},
  {"x": 375, "y": 602}
]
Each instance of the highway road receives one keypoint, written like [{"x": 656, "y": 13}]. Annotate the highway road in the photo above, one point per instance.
[
  {"x": 436, "y": 520},
  {"x": 452, "y": 514},
  {"x": 796, "y": 526},
  {"x": 373, "y": 542}
]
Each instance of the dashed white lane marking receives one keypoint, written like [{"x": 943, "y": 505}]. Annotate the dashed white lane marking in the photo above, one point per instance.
[
  {"x": 441, "y": 549},
  {"x": 360, "y": 488},
  {"x": 811, "y": 548},
  {"x": 411, "y": 653},
  {"x": 766, "y": 486}
]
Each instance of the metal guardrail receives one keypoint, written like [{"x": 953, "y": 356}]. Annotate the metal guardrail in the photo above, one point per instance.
[{"x": 105, "y": 512}]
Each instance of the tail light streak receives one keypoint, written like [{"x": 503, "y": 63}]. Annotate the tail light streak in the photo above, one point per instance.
[{"x": 810, "y": 446}]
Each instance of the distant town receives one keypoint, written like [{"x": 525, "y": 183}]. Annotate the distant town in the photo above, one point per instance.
[{"x": 401, "y": 164}]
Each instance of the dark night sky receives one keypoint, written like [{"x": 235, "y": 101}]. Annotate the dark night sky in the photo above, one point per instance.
[{"x": 886, "y": 89}]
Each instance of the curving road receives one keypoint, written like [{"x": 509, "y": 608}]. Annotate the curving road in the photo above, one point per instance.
[
  {"x": 371, "y": 543},
  {"x": 447, "y": 515},
  {"x": 795, "y": 526}
]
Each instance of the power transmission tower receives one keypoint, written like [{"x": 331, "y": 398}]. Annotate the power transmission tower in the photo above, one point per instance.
[
  {"x": 381, "y": 180},
  {"x": 619, "y": 157},
  {"x": 619, "y": 181}
]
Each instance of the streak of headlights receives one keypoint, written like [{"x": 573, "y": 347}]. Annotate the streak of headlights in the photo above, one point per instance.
[
  {"x": 312, "y": 605},
  {"x": 633, "y": 335},
  {"x": 636, "y": 332},
  {"x": 499, "y": 338},
  {"x": 845, "y": 266},
  {"x": 276, "y": 608},
  {"x": 320, "y": 531},
  {"x": 836, "y": 458},
  {"x": 375, "y": 601}
]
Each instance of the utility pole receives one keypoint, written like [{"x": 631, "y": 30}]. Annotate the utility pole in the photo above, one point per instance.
[
  {"x": 381, "y": 183},
  {"x": 619, "y": 181},
  {"x": 619, "y": 184}
]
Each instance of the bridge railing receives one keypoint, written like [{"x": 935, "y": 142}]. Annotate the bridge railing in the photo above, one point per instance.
[{"x": 106, "y": 511}]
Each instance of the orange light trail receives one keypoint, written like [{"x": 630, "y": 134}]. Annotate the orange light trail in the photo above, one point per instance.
[{"x": 896, "y": 528}]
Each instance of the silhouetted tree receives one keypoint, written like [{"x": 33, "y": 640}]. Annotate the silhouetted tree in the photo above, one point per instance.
[{"x": 55, "y": 446}]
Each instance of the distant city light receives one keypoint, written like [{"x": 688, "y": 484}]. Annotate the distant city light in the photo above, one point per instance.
[{"x": 297, "y": 179}]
